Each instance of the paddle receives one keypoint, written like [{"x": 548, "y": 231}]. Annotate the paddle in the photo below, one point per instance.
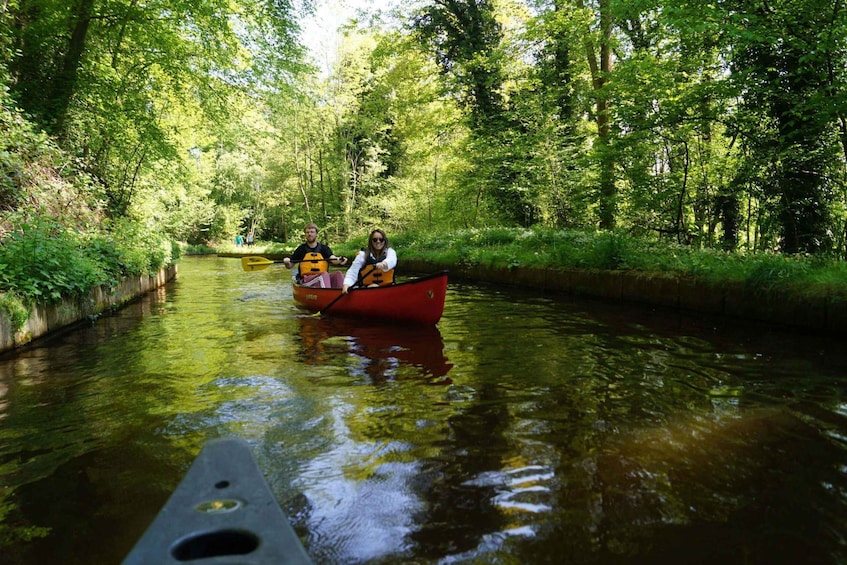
[
  {"x": 254, "y": 263},
  {"x": 342, "y": 295},
  {"x": 334, "y": 300}
]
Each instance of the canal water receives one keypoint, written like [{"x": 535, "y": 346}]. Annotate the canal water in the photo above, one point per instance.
[{"x": 524, "y": 428}]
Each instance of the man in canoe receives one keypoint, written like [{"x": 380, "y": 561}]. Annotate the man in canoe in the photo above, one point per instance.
[
  {"x": 373, "y": 266},
  {"x": 313, "y": 259}
]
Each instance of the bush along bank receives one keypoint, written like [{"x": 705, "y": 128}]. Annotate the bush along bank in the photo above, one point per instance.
[
  {"x": 53, "y": 275},
  {"x": 796, "y": 291},
  {"x": 780, "y": 306}
]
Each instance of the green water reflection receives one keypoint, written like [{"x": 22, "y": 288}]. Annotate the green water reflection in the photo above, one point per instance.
[{"x": 523, "y": 429}]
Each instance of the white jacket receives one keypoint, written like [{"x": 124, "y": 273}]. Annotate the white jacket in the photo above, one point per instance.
[{"x": 352, "y": 274}]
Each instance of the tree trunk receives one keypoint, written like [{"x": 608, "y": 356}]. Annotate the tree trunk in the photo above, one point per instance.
[
  {"x": 600, "y": 70},
  {"x": 64, "y": 84}
]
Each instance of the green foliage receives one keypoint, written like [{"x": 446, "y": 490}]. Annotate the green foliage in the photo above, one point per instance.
[
  {"x": 175, "y": 252},
  {"x": 467, "y": 53},
  {"x": 14, "y": 308},
  {"x": 155, "y": 108},
  {"x": 610, "y": 251},
  {"x": 202, "y": 249},
  {"x": 16, "y": 140},
  {"x": 127, "y": 248},
  {"x": 722, "y": 132},
  {"x": 54, "y": 240},
  {"x": 44, "y": 261},
  {"x": 772, "y": 271}
]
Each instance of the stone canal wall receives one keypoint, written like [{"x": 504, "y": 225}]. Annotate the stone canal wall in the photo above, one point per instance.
[
  {"x": 732, "y": 300},
  {"x": 49, "y": 318}
]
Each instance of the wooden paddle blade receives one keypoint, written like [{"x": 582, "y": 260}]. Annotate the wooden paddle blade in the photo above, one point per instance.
[{"x": 255, "y": 263}]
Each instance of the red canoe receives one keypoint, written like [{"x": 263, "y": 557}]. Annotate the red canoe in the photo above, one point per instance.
[{"x": 416, "y": 301}]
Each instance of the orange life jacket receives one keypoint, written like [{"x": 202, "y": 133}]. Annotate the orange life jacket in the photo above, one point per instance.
[
  {"x": 372, "y": 275},
  {"x": 313, "y": 263}
]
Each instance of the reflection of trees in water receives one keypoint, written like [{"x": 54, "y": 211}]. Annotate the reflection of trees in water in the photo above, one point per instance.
[
  {"x": 696, "y": 489},
  {"x": 691, "y": 489},
  {"x": 382, "y": 351},
  {"x": 460, "y": 503}
]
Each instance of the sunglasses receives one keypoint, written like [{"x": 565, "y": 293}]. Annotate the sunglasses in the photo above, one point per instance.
[{"x": 377, "y": 239}]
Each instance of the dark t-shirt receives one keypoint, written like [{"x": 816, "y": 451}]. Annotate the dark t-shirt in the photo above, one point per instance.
[{"x": 304, "y": 248}]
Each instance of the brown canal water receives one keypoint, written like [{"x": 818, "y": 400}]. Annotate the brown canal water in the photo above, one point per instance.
[{"x": 525, "y": 428}]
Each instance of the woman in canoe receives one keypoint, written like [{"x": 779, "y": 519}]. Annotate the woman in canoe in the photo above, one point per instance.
[
  {"x": 373, "y": 266},
  {"x": 313, "y": 259}
]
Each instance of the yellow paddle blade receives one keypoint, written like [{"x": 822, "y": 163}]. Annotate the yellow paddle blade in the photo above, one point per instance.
[{"x": 255, "y": 263}]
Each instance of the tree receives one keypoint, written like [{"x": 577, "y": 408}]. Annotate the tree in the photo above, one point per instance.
[
  {"x": 784, "y": 57},
  {"x": 465, "y": 36},
  {"x": 115, "y": 80},
  {"x": 598, "y": 51}
]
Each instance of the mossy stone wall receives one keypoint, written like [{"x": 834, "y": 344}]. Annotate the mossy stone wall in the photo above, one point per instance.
[
  {"x": 733, "y": 300},
  {"x": 49, "y": 318}
]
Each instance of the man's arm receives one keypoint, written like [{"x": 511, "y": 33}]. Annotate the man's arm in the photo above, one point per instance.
[{"x": 298, "y": 255}]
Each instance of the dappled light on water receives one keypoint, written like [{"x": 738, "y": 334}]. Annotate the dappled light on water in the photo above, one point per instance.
[{"x": 524, "y": 428}]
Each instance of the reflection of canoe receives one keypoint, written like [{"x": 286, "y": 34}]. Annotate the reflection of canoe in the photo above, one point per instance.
[
  {"x": 416, "y": 301},
  {"x": 381, "y": 348}
]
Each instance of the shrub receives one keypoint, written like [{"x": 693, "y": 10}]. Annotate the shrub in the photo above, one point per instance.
[
  {"x": 15, "y": 309},
  {"x": 43, "y": 261}
]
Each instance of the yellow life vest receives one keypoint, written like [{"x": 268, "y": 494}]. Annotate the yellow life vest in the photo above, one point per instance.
[
  {"x": 313, "y": 263},
  {"x": 373, "y": 275}
]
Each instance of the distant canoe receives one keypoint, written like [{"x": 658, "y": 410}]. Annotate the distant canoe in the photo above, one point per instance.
[{"x": 415, "y": 301}]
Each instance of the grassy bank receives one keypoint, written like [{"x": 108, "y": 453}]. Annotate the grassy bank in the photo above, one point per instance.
[
  {"x": 761, "y": 273},
  {"x": 43, "y": 261}
]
